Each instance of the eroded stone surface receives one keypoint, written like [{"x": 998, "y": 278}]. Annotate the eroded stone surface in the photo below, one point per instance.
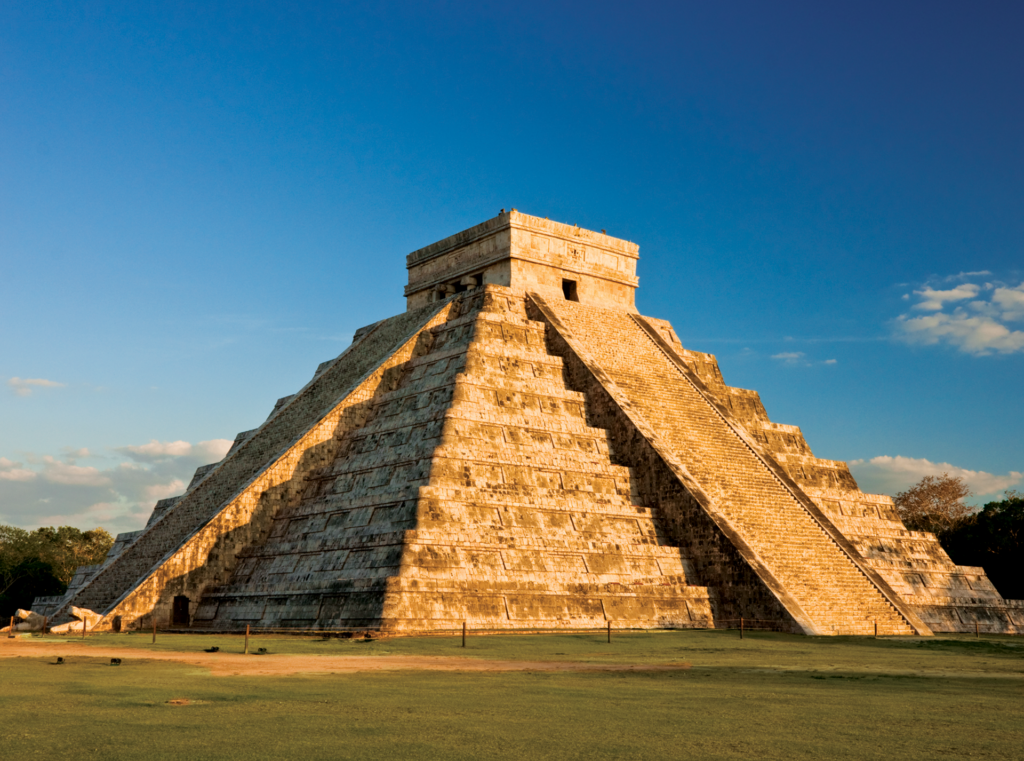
[
  {"x": 522, "y": 450},
  {"x": 26, "y": 621},
  {"x": 83, "y": 618}
]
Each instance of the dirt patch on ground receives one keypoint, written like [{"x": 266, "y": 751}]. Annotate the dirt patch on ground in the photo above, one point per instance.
[{"x": 236, "y": 664}]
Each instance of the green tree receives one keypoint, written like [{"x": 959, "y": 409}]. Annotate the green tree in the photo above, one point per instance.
[
  {"x": 935, "y": 504},
  {"x": 17, "y": 546},
  {"x": 994, "y": 540},
  {"x": 66, "y": 548},
  {"x": 43, "y": 562}
]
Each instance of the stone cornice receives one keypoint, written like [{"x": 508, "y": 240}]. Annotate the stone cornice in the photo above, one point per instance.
[{"x": 519, "y": 221}]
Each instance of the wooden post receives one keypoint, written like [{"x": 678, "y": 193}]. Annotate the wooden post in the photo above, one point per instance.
[
  {"x": 977, "y": 634},
  {"x": 10, "y": 633},
  {"x": 463, "y": 633},
  {"x": 246, "y": 651},
  {"x": 154, "y": 630},
  {"x": 609, "y": 630},
  {"x": 84, "y": 627},
  {"x": 45, "y": 621},
  {"x": 741, "y": 627},
  {"x": 876, "y": 629}
]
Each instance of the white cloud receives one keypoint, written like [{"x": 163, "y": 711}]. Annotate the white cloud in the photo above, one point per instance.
[
  {"x": 800, "y": 359},
  {"x": 163, "y": 491},
  {"x": 932, "y": 300},
  {"x": 1010, "y": 301},
  {"x": 24, "y": 386},
  {"x": 976, "y": 318},
  {"x": 59, "y": 472},
  {"x": 13, "y": 471},
  {"x": 888, "y": 475},
  {"x": 965, "y": 275},
  {"x": 69, "y": 490},
  {"x": 971, "y": 333},
  {"x": 97, "y": 514},
  {"x": 155, "y": 451}
]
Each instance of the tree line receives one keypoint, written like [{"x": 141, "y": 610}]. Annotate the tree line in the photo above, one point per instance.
[
  {"x": 992, "y": 537},
  {"x": 41, "y": 563}
]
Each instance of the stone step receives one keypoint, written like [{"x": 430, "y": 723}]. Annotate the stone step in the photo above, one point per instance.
[{"x": 786, "y": 538}]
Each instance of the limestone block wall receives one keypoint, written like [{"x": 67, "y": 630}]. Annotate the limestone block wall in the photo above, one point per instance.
[
  {"x": 735, "y": 588},
  {"x": 161, "y": 507},
  {"x": 474, "y": 491},
  {"x": 523, "y": 462},
  {"x": 945, "y": 596},
  {"x": 262, "y": 455},
  {"x": 807, "y": 563},
  {"x": 527, "y": 253}
]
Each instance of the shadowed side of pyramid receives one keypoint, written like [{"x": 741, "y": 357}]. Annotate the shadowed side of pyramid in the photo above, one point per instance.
[{"x": 195, "y": 542}]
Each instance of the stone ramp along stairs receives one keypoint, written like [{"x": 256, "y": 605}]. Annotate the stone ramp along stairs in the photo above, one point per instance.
[
  {"x": 521, "y": 449},
  {"x": 818, "y": 577}
]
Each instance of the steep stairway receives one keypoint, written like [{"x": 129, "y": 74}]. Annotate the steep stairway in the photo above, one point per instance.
[
  {"x": 474, "y": 491},
  {"x": 831, "y": 591}
]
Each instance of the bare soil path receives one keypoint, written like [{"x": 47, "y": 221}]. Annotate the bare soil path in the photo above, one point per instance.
[{"x": 237, "y": 664}]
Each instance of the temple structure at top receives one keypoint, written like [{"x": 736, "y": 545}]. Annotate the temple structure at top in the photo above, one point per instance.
[
  {"x": 527, "y": 254},
  {"x": 522, "y": 449}
]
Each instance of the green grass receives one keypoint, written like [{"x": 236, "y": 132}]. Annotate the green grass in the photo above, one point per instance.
[{"x": 767, "y": 696}]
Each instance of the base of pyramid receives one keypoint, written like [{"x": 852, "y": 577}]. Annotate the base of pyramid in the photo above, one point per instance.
[{"x": 423, "y": 605}]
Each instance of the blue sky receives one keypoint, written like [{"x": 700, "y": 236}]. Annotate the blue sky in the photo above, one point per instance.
[{"x": 200, "y": 203}]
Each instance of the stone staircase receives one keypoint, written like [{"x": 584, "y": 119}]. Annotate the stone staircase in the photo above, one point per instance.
[
  {"x": 475, "y": 491},
  {"x": 192, "y": 543},
  {"x": 827, "y": 584}
]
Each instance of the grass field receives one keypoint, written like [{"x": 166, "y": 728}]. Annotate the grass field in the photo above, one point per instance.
[{"x": 766, "y": 696}]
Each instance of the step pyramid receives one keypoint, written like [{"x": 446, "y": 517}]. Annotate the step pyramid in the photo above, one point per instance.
[{"x": 521, "y": 449}]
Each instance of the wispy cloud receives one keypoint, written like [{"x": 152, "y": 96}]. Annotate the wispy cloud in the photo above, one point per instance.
[
  {"x": 157, "y": 451},
  {"x": 976, "y": 318},
  {"x": 80, "y": 488},
  {"x": 965, "y": 276},
  {"x": 933, "y": 300},
  {"x": 888, "y": 475},
  {"x": 800, "y": 359},
  {"x": 25, "y": 386},
  {"x": 62, "y": 472},
  {"x": 15, "y": 471}
]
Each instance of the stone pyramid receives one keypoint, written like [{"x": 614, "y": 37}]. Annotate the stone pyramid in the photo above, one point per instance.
[{"x": 521, "y": 449}]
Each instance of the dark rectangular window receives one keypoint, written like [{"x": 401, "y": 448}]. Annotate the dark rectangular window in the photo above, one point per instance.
[{"x": 569, "y": 289}]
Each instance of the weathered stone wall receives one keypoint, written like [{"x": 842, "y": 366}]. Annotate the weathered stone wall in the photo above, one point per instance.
[
  {"x": 527, "y": 253},
  {"x": 259, "y": 455},
  {"x": 945, "y": 596},
  {"x": 474, "y": 491},
  {"x": 811, "y": 568},
  {"x": 735, "y": 589}
]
